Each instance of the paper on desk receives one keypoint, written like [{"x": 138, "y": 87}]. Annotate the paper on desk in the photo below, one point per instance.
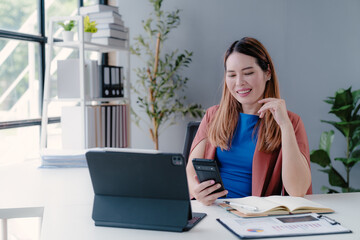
[
  {"x": 55, "y": 158},
  {"x": 293, "y": 225}
]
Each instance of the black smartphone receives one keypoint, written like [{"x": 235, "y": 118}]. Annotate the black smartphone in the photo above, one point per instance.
[{"x": 207, "y": 169}]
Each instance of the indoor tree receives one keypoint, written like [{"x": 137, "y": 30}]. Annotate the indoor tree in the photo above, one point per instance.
[{"x": 159, "y": 86}]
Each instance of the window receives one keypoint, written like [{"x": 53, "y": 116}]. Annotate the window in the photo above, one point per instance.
[
  {"x": 19, "y": 80},
  {"x": 22, "y": 65},
  {"x": 20, "y": 16}
]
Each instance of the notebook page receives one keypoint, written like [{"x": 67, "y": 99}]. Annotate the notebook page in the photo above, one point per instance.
[
  {"x": 296, "y": 203},
  {"x": 262, "y": 204}
]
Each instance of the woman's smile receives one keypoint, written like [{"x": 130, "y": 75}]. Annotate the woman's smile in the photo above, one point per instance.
[{"x": 244, "y": 92}]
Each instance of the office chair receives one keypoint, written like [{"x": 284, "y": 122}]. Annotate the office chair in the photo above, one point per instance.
[{"x": 191, "y": 130}]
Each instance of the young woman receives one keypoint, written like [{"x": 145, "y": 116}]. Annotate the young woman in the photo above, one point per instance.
[{"x": 260, "y": 147}]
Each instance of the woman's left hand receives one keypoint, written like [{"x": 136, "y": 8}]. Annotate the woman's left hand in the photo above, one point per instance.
[{"x": 278, "y": 109}]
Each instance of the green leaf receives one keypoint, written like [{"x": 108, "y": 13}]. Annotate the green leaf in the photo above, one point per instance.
[
  {"x": 342, "y": 98},
  {"x": 348, "y": 161},
  {"x": 335, "y": 178},
  {"x": 346, "y": 128},
  {"x": 356, "y": 96},
  {"x": 343, "y": 112},
  {"x": 330, "y": 100},
  {"x": 354, "y": 190},
  {"x": 67, "y": 26},
  {"x": 355, "y": 140},
  {"x": 89, "y": 26},
  {"x": 326, "y": 140},
  {"x": 320, "y": 157},
  {"x": 325, "y": 189},
  {"x": 355, "y": 115},
  {"x": 356, "y": 154}
]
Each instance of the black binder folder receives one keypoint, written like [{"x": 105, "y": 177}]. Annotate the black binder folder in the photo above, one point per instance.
[
  {"x": 111, "y": 81},
  {"x": 140, "y": 190},
  {"x": 116, "y": 82},
  {"x": 105, "y": 78}
]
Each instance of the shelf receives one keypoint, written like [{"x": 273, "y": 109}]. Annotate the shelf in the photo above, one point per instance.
[
  {"x": 63, "y": 100},
  {"x": 84, "y": 101},
  {"x": 114, "y": 99},
  {"x": 90, "y": 46}
]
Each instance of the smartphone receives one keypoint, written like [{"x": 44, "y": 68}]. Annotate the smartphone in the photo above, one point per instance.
[{"x": 207, "y": 169}]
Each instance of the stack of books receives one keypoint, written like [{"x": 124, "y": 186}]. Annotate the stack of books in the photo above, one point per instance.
[{"x": 111, "y": 29}]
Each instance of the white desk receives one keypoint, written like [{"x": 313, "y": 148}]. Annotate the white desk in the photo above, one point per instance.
[{"x": 67, "y": 197}]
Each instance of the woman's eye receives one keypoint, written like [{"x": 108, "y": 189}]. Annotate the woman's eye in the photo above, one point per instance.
[
  {"x": 231, "y": 76},
  {"x": 248, "y": 73}
]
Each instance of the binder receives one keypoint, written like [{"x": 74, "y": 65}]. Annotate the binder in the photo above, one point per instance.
[
  {"x": 104, "y": 75},
  {"x": 111, "y": 81},
  {"x": 90, "y": 127},
  {"x": 114, "y": 81},
  {"x": 121, "y": 77},
  {"x": 119, "y": 130},
  {"x": 121, "y": 126},
  {"x": 92, "y": 74},
  {"x": 103, "y": 126},
  {"x": 125, "y": 126},
  {"x": 113, "y": 126},
  {"x": 108, "y": 127},
  {"x": 98, "y": 126}
]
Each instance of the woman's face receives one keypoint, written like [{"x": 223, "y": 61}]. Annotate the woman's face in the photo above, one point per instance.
[{"x": 246, "y": 81}]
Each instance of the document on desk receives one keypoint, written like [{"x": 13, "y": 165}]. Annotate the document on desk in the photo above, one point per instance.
[{"x": 281, "y": 226}]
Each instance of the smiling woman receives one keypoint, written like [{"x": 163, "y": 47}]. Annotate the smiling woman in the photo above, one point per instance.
[
  {"x": 260, "y": 147},
  {"x": 246, "y": 81}
]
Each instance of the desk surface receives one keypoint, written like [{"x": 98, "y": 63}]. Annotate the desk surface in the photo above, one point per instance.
[{"x": 67, "y": 197}]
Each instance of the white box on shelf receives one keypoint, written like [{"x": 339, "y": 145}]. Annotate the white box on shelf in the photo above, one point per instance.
[
  {"x": 71, "y": 125},
  {"x": 68, "y": 79}
]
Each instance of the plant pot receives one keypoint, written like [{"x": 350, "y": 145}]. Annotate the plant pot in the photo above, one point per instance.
[
  {"x": 87, "y": 36},
  {"x": 68, "y": 36}
]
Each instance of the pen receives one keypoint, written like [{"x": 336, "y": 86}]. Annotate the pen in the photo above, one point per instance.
[
  {"x": 329, "y": 220},
  {"x": 248, "y": 207}
]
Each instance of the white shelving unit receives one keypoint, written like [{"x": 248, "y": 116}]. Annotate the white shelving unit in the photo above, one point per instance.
[{"x": 82, "y": 100}]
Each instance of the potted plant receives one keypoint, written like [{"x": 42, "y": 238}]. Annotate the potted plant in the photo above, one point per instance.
[
  {"x": 160, "y": 87},
  {"x": 89, "y": 28},
  {"x": 67, "y": 34},
  {"x": 345, "y": 106}
]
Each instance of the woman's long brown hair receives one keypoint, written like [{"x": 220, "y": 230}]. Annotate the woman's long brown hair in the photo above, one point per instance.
[{"x": 222, "y": 127}]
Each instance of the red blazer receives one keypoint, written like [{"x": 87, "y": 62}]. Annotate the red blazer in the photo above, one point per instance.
[{"x": 266, "y": 168}]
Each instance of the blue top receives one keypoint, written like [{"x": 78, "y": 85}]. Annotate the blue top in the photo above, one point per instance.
[{"x": 235, "y": 164}]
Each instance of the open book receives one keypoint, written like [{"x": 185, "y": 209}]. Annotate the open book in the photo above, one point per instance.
[{"x": 272, "y": 205}]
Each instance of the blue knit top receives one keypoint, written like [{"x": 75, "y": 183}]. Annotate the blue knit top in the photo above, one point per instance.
[{"x": 235, "y": 164}]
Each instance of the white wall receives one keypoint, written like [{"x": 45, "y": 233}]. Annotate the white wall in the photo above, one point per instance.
[{"x": 315, "y": 46}]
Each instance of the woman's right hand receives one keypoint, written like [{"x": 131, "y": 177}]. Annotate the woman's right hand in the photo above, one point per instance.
[{"x": 203, "y": 192}]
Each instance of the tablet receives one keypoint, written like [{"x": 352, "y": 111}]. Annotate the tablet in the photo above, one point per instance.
[{"x": 137, "y": 189}]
